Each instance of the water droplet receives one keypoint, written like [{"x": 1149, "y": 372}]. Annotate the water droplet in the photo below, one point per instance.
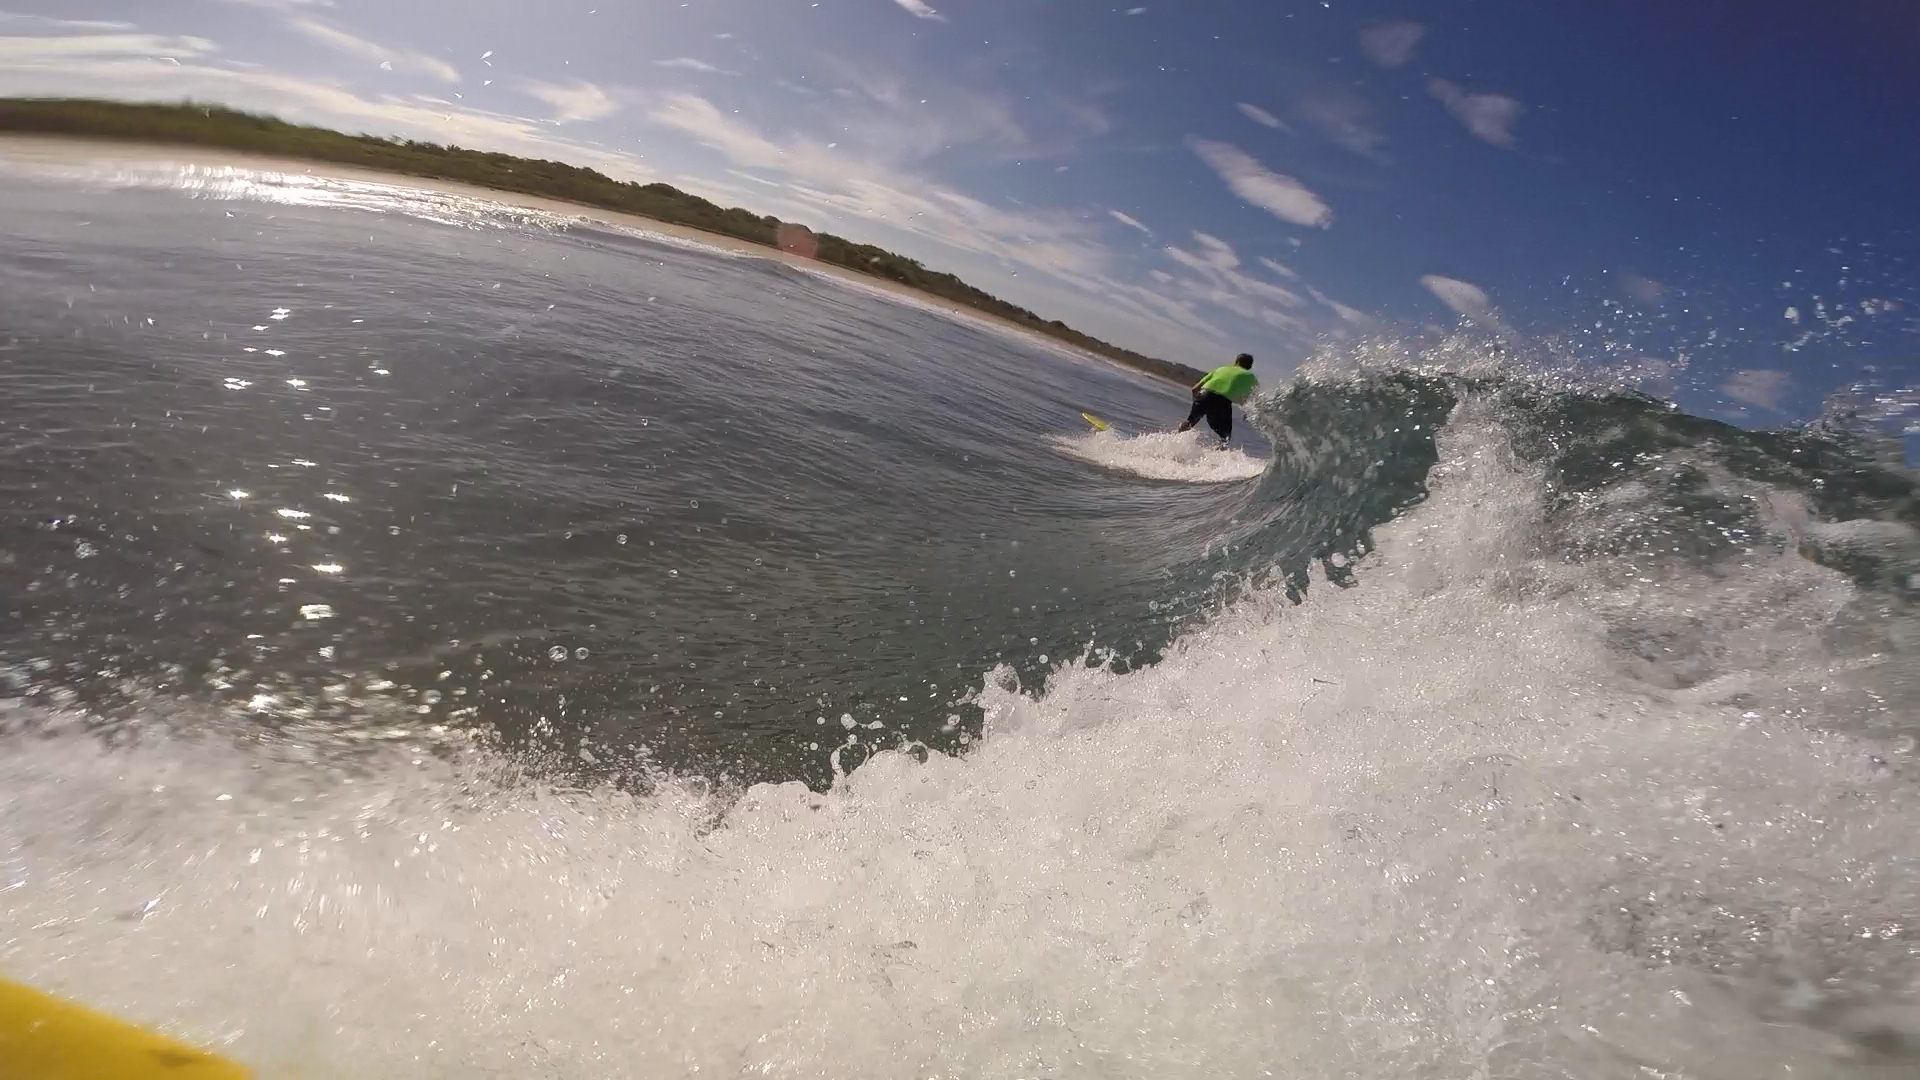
[
  {"x": 671, "y": 573},
  {"x": 85, "y": 550},
  {"x": 1012, "y": 573},
  {"x": 557, "y": 653},
  {"x": 1043, "y": 658},
  {"x": 621, "y": 539},
  {"x": 695, "y": 503},
  {"x": 846, "y": 721},
  {"x": 580, "y": 654}
]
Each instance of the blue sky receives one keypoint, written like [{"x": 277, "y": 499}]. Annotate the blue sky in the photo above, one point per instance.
[{"x": 1723, "y": 188}]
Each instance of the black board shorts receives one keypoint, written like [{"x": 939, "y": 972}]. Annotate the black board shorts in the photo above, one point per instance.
[{"x": 1217, "y": 410}]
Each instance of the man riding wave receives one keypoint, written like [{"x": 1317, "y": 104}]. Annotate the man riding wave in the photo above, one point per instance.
[{"x": 1215, "y": 395}]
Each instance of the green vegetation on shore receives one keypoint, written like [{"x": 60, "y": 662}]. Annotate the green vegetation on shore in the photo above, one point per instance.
[{"x": 227, "y": 129}]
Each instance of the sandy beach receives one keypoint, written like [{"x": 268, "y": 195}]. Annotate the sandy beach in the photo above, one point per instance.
[{"x": 69, "y": 153}]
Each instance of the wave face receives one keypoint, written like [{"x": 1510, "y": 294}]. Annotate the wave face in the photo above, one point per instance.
[
  {"x": 1496, "y": 727},
  {"x": 1590, "y": 770}
]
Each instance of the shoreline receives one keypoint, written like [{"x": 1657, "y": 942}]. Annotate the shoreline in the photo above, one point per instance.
[{"x": 80, "y": 150}]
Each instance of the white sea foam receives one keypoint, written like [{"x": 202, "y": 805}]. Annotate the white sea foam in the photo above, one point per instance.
[
  {"x": 1187, "y": 457},
  {"x": 1426, "y": 826}
]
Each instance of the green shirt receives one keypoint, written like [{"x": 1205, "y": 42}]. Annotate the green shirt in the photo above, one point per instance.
[{"x": 1232, "y": 382}]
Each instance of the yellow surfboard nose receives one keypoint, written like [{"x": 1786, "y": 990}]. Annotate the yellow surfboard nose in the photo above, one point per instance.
[
  {"x": 1098, "y": 424},
  {"x": 45, "y": 1038}
]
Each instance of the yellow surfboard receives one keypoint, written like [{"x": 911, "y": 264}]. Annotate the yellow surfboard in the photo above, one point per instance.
[
  {"x": 45, "y": 1038},
  {"x": 1098, "y": 424}
]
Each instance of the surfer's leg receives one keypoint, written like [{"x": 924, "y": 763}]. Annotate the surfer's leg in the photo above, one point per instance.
[
  {"x": 1199, "y": 410},
  {"x": 1220, "y": 417}
]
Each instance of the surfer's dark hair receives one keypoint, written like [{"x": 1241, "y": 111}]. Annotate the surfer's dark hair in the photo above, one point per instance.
[{"x": 1245, "y": 360}]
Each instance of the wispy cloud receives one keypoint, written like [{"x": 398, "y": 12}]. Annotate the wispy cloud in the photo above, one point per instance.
[
  {"x": 393, "y": 59},
  {"x": 48, "y": 21},
  {"x": 849, "y": 187},
  {"x": 1217, "y": 279},
  {"x": 1351, "y": 315},
  {"x": 1490, "y": 117},
  {"x": 128, "y": 67},
  {"x": 1344, "y": 117},
  {"x": 1278, "y": 194},
  {"x": 1644, "y": 289},
  {"x": 1262, "y": 117},
  {"x": 1467, "y": 299},
  {"x": 1391, "y": 44},
  {"x": 1282, "y": 269},
  {"x": 575, "y": 101},
  {"x": 919, "y": 7},
  {"x": 53, "y": 50},
  {"x": 1129, "y": 222},
  {"x": 1763, "y": 388},
  {"x": 688, "y": 63}
]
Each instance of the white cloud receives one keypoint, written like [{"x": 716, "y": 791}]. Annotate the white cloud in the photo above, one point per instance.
[
  {"x": 1644, "y": 289},
  {"x": 1391, "y": 44},
  {"x": 1218, "y": 280},
  {"x": 1466, "y": 299},
  {"x": 903, "y": 117},
  {"x": 688, "y": 63},
  {"x": 52, "y": 50},
  {"x": 1347, "y": 314},
  {"x": 1279, "y": 268},
  {"x": 577, "y": 101},
  {"x": 1490, "y": 117},
  {"x": 1262, "y": 117},
  {"x": 1278, "y": 194},
  {"x": 91, "y": 25},
  {"x": 397, "y": 59},
  {"x": 848, "y": 187},
  {"x": 919, "y": 7},
  {"x": 125, "y": 67},
  {"x": 1129, "y": 222},
  {"x": 1763, "y": 388},
  {"x": 1343, "y": 117}
]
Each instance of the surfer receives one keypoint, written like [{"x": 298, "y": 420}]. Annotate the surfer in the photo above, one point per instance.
[{"x": 1215, "y": 396}]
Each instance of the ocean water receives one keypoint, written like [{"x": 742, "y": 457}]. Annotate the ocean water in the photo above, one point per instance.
[{"x": 444, "y": 640}]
